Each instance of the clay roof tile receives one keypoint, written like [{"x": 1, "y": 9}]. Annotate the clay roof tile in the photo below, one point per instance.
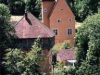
[
  {"x": 68, "y": 54},
  {"x": 31, "y": 27}
]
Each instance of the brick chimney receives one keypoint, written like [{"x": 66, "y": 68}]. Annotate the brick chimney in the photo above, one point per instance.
[{"x": 26, "y": 14}]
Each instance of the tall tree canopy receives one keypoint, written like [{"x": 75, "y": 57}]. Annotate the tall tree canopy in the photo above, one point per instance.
[
  {"x": 83, "y": 8},
  {"x": 88, "y": 43},
  {"x": 5, "y": 27},
  {"x": 18, "y": 62},
  {"x": 16, "y": 6},
  {"x": 3, "y": 1},
  {"x": 34, "y": 6}
]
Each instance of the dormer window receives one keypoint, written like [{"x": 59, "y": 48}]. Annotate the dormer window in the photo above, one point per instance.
[{"x": 58, "y": 20}]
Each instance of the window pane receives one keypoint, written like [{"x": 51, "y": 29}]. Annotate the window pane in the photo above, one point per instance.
[
  {"x": 55, "y": 31},
  {"x": 69, "y": 31},
  {"x": 58, "y": 20},
  {"x": 69, "y": 64}
]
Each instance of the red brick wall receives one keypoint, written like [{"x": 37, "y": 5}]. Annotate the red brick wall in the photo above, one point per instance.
[
  {"x": 63, "y": 12},
  {"x": 46, "y": 9}
]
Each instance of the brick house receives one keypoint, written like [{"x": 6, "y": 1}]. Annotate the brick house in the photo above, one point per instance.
[
  {"x": 27, "y": 30},
  {"x": 57, "y": 15}
]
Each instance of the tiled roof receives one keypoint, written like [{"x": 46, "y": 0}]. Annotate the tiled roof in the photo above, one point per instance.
[
  {"x": 68, "y": 54},
  {"x": 31, "y": 28}
]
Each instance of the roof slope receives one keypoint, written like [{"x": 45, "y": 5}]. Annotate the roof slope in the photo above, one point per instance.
[
  {"x": 65, "y": 55},
  {"x": 31, "y": 27}
]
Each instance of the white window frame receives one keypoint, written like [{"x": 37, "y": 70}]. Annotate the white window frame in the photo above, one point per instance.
[
  {"x": 57, "y": 30},
  {"x": 71, "y": 32}
]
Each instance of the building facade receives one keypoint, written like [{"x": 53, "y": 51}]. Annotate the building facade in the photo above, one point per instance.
[{"x": 57, "y": 15}]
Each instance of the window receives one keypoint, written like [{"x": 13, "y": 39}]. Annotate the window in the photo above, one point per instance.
[
  {"x": 69, "y": 19},
  {"x": 23, "y": 43},
  {"x": 45, "y": 10},
  {"x": 70, "y": 63},
  {"x": 55, "y": 31},
  {"x": 69, "y": 32},
  {"x": 58, "y": 20}
]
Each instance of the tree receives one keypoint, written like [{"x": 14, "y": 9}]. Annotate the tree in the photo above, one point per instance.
[
  {"x": 61, "y": 46},
  {"x": 3, "y": 1},
  {"x": 88, "y": 43},
  {"x": 34, "y": 6},
  {"x": 5, "y": 27},
  {"x": 81, "y": 40},
  {"x": 83, "y": 8},
  {"x": 60, "y": 69},
  {"x": 87, "y": 69},
  {"x": 16, "y": 6},
  {"x": 18, "y": 62}
]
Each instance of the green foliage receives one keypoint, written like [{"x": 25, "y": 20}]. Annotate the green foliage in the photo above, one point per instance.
[
  {"x": 16, "y": 6},
  {"x": 69, "y": 70},
  {"x": 6, "y": 15},
  {"x": 60, "y": 69},
  {"x": 81, "y": 39},
  {"x": 60, "y": 46},
  {"x": 18, "y": 62},
  {"x": 13, "y": 61},
  {"x": 5, "y": 27},
  {"x": 3, "y": 1},
  {"x": 83, "y": 8},
  {"x": 88, "y": 43},
  {"x": 87, "y": 69},
  {"x": 66, "y": 45},
  {"x": 34, "y": 6}
]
